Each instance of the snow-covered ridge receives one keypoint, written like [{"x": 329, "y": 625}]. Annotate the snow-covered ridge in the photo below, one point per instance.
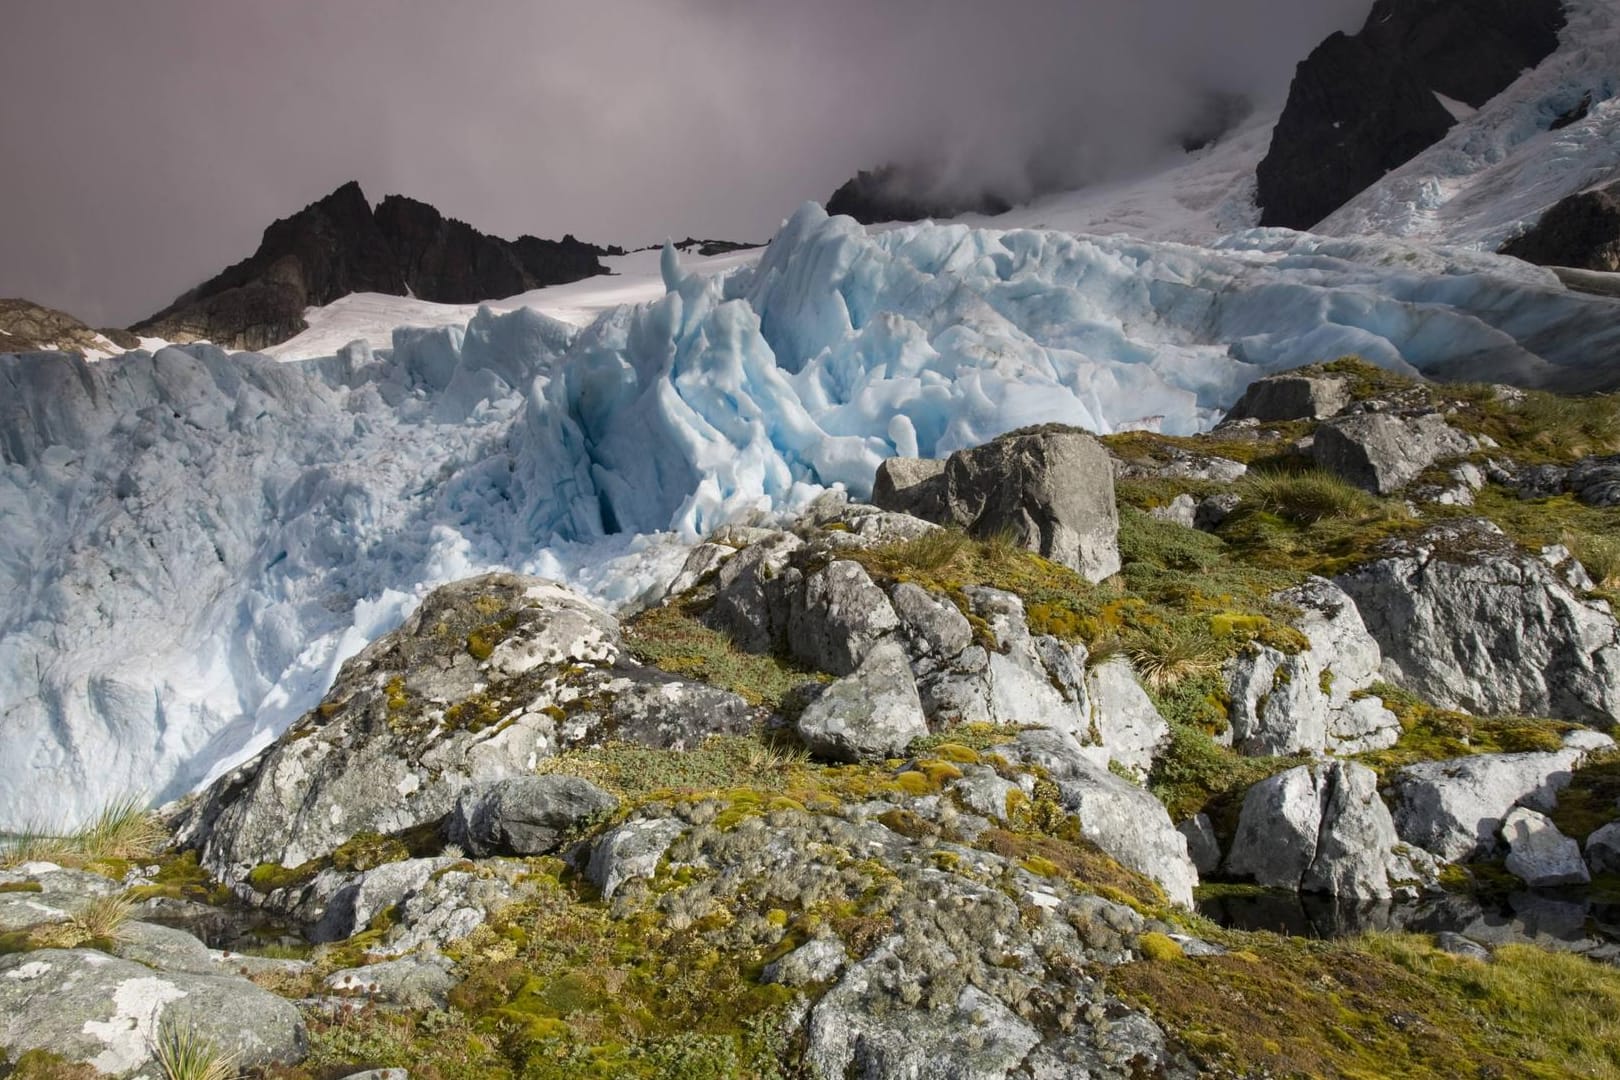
[{"x": 195, "y": 541}]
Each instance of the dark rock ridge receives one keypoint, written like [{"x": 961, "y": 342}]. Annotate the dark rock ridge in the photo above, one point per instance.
[
  {"x": 907, "y": 193},
  {"x": 339, "y": 245},
  {"x": 1581, "y": 231},
  {"x": 29, "y": 327},
  {"x": 1362, "y": 104}
]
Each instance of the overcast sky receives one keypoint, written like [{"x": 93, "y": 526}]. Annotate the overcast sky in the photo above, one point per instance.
[{"x": 148, "y": 142}]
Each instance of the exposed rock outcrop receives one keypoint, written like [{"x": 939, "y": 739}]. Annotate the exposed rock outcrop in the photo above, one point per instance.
[
  {"x": 1383, "y": 453},
  {"x": 525, "y": 815},
  {"x": 873, "y": 713},
  {"x": 1052, "y": 490},
  {"x": 1284, "y": 703},
  {"x": 1323, "y": 829},
  {"x": 88, "y": 1006},
  {"x": 488, "y": 677},
  {"x": 338, "y": 245},
  {"x": 907, "y": 193},
  {"x": 1468, "y": 621},
  {"x": 1454, "y": 809},
  {"x": 1581, "y": 231},
  {"x": 29, "y": 327},
  {"x": 1362, "y": 104}
]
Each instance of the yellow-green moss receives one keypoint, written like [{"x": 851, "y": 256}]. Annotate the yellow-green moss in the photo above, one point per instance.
[{"x": 1159, "y": 947}]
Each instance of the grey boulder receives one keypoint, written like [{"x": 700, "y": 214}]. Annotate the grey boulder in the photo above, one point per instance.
[
  {"x": 871, "y": 714},
  {"x": 1603, "y": 849},
  {"x": 633, "y": 850},
  {"x": 525, "y": 815},
  {"x": 90, "y": 1007},
  {"x": 1538, "y": 854},
  {"x": 1321, "y": 829},
  {"x": 1455, "y": 808},
  {"x": 1119, "y": 817},
  {"x": 1468, "y": 621},
  {"x": 1291, "y": 396},
  {"x": 1383, "y": 453}
]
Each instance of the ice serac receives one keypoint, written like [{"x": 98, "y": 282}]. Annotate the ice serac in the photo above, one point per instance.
[{"x": 195, "y": 542}]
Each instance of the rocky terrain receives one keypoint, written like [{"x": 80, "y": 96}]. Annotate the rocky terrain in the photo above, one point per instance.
[
  {"x": 905, "y": 193},
  {"x": 340, "y": 245},
  {"x": 934, "y": 786},
  {"x": 1362, "y": 104},
  {"x": 27, "y": 327}
]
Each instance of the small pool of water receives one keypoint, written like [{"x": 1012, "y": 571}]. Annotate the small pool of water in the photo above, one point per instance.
[
  {"x": 236, "y": 928},
  {"x": 1565, "y": 919}
]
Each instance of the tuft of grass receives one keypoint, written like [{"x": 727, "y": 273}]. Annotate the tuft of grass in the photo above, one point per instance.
[
  {"x": 1599, "y": 554},
  {"x": 1307, "y": 497},
  {"x": 102, "y": 919},
  {"x": 183, "y": 1053},
  {"x": 122, "y": 830},
  {"x": 933, "y": 552},
  {"x": 1165, "y": 659}
]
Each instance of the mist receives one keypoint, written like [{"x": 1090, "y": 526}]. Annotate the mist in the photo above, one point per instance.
[{"x": 151, "y": 143}]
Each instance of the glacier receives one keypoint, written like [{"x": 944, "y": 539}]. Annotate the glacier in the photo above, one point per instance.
[{"x": 194, "y": 541}]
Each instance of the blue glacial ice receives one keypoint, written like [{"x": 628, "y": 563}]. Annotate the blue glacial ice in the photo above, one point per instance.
[{"x": 195, "y": 541}]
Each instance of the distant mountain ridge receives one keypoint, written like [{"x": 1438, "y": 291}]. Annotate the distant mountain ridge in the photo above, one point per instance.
[{"x": 340, "y": 245}]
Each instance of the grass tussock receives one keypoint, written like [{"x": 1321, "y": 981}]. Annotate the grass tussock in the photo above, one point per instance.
[
  {"x": 183, "y": 1053},
  {"x": 123, "y": 830},
  {"x": 1307, "y": 497},
  {"x": 102, "y": 919}
]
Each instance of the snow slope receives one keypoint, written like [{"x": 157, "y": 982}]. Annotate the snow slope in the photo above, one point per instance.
[{"x": 194, "y": 541}]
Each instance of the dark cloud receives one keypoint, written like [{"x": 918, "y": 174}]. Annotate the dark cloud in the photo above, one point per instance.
[{"x": 149, "y": 143}]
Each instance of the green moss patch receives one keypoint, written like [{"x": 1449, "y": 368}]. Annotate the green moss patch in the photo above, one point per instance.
[
  {"x": 1433, "y": 734},
  {"x": 1383, "y": 1006},
  {"x": 1592, "y": 799}
]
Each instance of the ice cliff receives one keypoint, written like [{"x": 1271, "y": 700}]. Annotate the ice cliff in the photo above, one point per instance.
[{"x": 194, "y": 541}]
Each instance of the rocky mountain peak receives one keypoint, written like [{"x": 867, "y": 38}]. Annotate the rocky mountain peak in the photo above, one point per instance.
[
  {"x": 339, "y": 245},
  {"x": 1362, "y": 104}
]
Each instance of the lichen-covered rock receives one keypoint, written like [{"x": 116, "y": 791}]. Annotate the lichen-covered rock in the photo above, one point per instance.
[
  {"x": 933, "y": 626},
  {"x": 818, "y": 960},
  {"x": 487, "y": 678},
  {"x": 1468, "y": 621},
  {"x": 90, "y": 1007},
  {"x": 345, "y": 904},
  {"x": 753, "y": 591},
  {"x": 849, "y": 1036},
  {"x": 632, "y": 850},
  {"x": 873, "y": 713},
  {"x": 1181, "y": 510},
  {"x": 1120, "y": 818},
  {"x": 1455, "y": 808},
  {"x": 1383, "y": 453},
  {"x": 1596, "y": 480},
  {"x": 1291, "y": 396},
  {"x": 1125, "y": 725},
  {"x": 1538, "y": 854},
  {"x": 1320, "y": 829},
  {"x": 164, "y": 948},
  {"x": 1284, "y": 703},
  {"x": 525, "y": 815},
  {"x": 1052, "y": 490},
  {"x": 838, "y": 617},
  {"x": 412, "y": 982}
]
